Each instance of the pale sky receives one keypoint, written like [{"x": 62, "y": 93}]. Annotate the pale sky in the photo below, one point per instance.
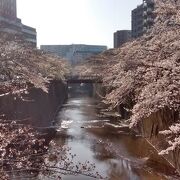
[{"x": 76, "y": 21}]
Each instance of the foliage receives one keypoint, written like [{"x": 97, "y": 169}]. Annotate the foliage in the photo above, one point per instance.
[
  {"x": 21, "y": 64},
  {"x": 19, "y": 145},
  {"x": 24, "y": 153},
  {"x": 173, "y": 137},
  {"x": 143, "y": 76}
]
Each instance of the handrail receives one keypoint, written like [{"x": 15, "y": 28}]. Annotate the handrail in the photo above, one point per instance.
[{"x": 82, "y": 77}]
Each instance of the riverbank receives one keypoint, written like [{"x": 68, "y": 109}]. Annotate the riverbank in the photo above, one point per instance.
[
  {"x": 33, "y": 105},
  {"x": 21, "y": 116},
  {"x": 115, "y": 152},
  {"x": 141, "y": 81},
  {"x": 32, "y": 89}
]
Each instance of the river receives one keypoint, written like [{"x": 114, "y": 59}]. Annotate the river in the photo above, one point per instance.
[{"x": 116, "y": 154}]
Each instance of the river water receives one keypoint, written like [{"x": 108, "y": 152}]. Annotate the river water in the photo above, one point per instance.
[{"x": 116, "y": 154}]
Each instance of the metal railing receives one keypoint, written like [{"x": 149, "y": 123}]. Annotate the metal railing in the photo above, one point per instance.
[{"x": 84, "y": 78}]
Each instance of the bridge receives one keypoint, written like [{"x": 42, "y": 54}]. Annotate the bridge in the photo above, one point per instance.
[{"x": 83, "y": 79}]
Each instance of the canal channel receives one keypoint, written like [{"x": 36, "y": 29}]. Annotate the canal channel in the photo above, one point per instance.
[{"x": 117, "y": 153}]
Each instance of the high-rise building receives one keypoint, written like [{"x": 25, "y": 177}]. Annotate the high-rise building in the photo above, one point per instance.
[
  {"x": 142, "y": 18},
  {"x": 75, "y": 53},
  {"x": 8, "y": 9},
  {"x": 11, "y": 24},
  {"x": 137, "y": 21},
  {"x": 148, "y": 15},
  {"x": 121, "y": 37}
]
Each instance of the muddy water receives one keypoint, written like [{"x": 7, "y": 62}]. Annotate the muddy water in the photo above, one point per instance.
[{"x": 116, "y": 154}]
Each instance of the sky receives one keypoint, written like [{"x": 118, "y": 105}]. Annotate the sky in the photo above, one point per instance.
[{"x": 76, "y": 21}]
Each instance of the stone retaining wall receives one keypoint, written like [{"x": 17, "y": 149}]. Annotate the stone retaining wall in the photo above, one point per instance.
[
  {"x": 150, "y": 127},
  {"x": 37, "y": 107}
]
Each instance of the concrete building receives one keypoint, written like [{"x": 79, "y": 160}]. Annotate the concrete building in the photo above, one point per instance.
[
  {"x": 8, "y": 9},
  {"x": 137, "y": 21},
  {"x": 121, "y": 37},
  {"x": 148, "y": 15},
  {"x": 75, "y": 53},
  {"x": 29, "y": 34},
  {"x": 11, "y": 24},
  {"x": 142, "y": 18}
]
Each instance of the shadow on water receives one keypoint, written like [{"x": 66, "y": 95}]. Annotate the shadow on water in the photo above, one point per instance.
[{"x": 116, "y": 154}]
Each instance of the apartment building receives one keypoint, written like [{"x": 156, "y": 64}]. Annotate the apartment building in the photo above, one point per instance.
[
  {"x": 74, "y": 53},
  {"x": 121, "y": 37},
  {"x": 11, "y": 24},
  {"x": 142, "y": 18},
  {"x": 8, "y": 9}
]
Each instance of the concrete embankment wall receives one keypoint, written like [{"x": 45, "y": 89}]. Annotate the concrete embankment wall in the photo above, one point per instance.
[
  {"x": 150, "y": 129},
  {"x": 37, "y": 107},
  {"x": 98, "y": 90}
]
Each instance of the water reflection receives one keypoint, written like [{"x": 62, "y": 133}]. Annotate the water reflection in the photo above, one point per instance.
[{"x": 117, "y": 155}]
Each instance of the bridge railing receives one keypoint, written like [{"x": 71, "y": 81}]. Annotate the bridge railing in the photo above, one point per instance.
[
  {"x": 77, "y": 78},
  {"x": 83, "y": 77}
]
